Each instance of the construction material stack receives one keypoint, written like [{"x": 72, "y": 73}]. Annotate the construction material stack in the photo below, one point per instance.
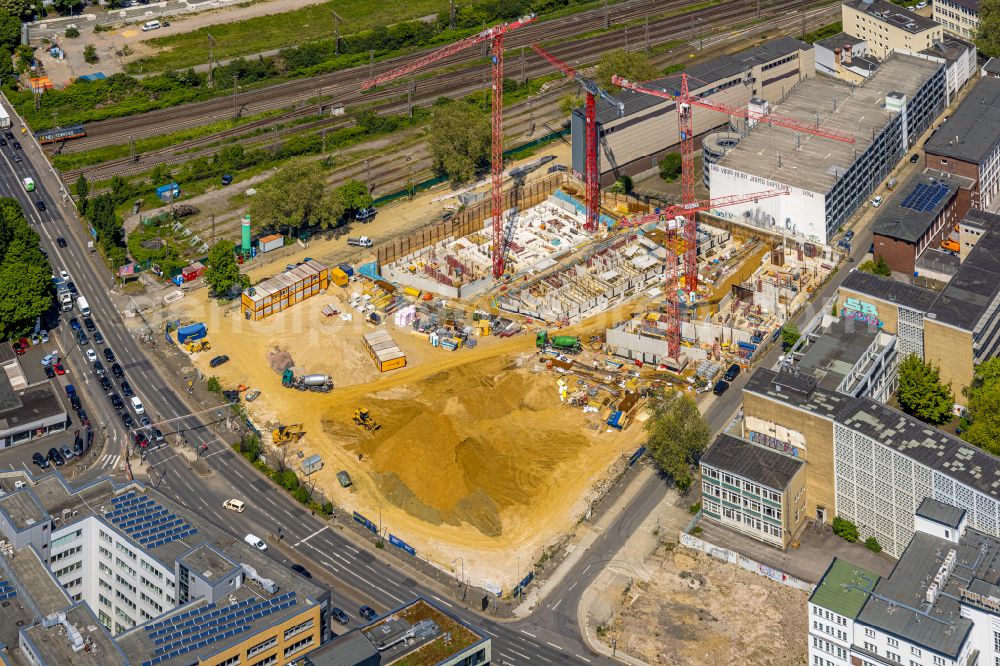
[{"x": 384, "y": 351}]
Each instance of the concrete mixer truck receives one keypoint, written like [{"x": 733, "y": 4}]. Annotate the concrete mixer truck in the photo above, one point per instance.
[
  {"x": 568, "y": 344},
  {"x": 318, "y": 383}
]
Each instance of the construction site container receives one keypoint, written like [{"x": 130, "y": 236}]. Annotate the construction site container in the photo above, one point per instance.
[
  {"x": 191, "y": 332},
  {"x": 347, "y": 268},
  {"x": 285, "y": 289},
  {"x": 313, "y": 463},
  {"x": 193, "y": 271},
  {"x": 411, "y": 292},
  {"x": 339, "y": 277},
  {"x": 384, "y": 351},
  {"x": 272, "y": 242}
]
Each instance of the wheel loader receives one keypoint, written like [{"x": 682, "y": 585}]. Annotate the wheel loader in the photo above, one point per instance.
[{"x": 363, "y": 418}]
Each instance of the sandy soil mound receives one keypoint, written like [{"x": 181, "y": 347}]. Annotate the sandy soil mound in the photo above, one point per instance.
[{"x": 279, "y": 360}]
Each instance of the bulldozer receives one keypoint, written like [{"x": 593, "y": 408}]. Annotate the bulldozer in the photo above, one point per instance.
[
  {"x": 364, "y": 419},
  {"x": 285, "y": 434},
  {"x": 196, "y": 346}
]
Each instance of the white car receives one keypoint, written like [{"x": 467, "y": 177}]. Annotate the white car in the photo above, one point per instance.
[
  {"x": 234, "y": 505},
  {"x": 91, "y": 355},
  {"x": 876, "y": 202},
  {"x": 63, "y": 274},
  {"x": 50, "y": 359},
  {"x": 256, "y": 542},
  {"x": 921, "y": 4}
]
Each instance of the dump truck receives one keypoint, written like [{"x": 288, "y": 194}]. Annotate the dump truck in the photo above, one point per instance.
[
  {"x": 363, "y": 418},
  {"x": 569, "y": 344},
  {"x": 318, "y": 383},
  {"x": 284, "y": 434}
]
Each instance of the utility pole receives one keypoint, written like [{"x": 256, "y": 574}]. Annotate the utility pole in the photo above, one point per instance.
[
  {"x": 522, "y": 80},
  {"x": 409, "y": 96},
  {"x": 371, "y": 63},
  {"x": 451, "y": 15},
  {"x": 758, "y": 10},
  {"x": 236, "y": 95},
  {"x": 607, "y": 16},
  {"x": 274, "y": 139},
  {"x": 131, "y": 149},
  {"x": 211, "y": 59},
  {"x": 324, "y": 142},
  {"x": 647, "y": 33},
  {"x": 336, "y": 27},
  {"x": 213, "y": 228}
]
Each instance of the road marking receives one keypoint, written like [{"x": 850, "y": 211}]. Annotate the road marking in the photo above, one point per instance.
[
  {"x": 371, "y": 568},
  {"x": 523, "y": 656},
  {"x": 491, "y": 633},
  {"x": 442, "y": 601},
  {"x": 329, "y": 565},
  {"x": 544, "y": 658},
  {"x": 352, "y": 548},
  {"x": 572, "y": 586},
  {"x": 528, "y": 634},
  {"x": 587, "y": 569},
  {"x": 390, "y": 594},
  {"x": 506, "y": 656},
  {"x": 273, "y": 503},
  {"x": 553, "y": 645},
  {"x": 584, "y": 658},
  {"x": 556, "y": 605},
  {"x": 310, "y": 536}
]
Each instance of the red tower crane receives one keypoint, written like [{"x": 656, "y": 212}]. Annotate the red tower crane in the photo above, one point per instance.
[
  {"x": 592, "y": 90},
  {"x": 495, "y": 36},
  {"x": 690, "y": 206},
  {"x": 685, "y": 102}
]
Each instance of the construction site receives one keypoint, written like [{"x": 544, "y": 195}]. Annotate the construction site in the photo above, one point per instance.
[{"x": 482, "y": 380}]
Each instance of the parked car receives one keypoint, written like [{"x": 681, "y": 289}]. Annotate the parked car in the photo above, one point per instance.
[
  {"x": 74, "y": 403},
  {"x": 365, "y": 214},
  {"x": 877, "y": 201},
  {"x": 50, "y": 359},
  {"x": 50, "y": 372},
  {"x": 70, "y": 390},
  {"x": 252, "y": 395},
  {"x": 45, "y": 336},
  {"x": 66, "y": 452},
  {"x": 732, "y": 372},
  {"x": 339, "y": 615},
  {"x": 218, "y": 360},
  {"x": 368, "y": 613},
  {"x": 301, "y": 570},
  {"x": 849, "y": 236},
  {"x": 40, "y": 460},
  {"x": 914, "y": 158},
  {"x": 56, "y": 457},
  {"x": 721, "y": 387}
]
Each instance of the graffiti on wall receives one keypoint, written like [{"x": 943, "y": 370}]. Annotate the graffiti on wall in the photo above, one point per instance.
[{"x": 861, "y": 311}]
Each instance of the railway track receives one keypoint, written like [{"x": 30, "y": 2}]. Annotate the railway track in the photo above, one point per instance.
[
  {"x": 452, "y": 83},
  {"x": 340, "y": 84}
]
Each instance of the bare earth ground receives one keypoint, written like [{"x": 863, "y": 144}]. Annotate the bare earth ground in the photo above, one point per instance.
[
  {"x": 476, "y": 457},
  {"x": 695, "y": 610}
]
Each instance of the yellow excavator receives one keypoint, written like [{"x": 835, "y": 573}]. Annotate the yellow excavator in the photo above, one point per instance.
[
  {"x": 364, "y": 419},
  {"x": 285, "y": 434},
  {"x": 196, "y": 346}
]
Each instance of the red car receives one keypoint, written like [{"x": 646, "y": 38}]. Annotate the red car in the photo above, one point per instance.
[
  {"x": 22, "y": 346},
  {"x": 60, "y": 370}
]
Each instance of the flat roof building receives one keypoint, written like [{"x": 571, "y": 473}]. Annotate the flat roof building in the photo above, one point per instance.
[
  {"x": 277, "y": 293},
  {"x": 968, "y": 143},
  {"x": 959, "y": 17},
  {"x": 636, "y": 141},
  {"x": 829, "y": 179},
  {"x": 29, "y": 412},
  {"x": 886, "y": 27}
]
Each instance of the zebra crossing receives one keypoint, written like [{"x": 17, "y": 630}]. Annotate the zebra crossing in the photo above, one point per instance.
[{"x": 109, "y": 461}]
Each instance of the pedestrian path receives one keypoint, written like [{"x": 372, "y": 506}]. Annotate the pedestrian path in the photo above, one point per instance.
[{"x": 109, "y": 461}]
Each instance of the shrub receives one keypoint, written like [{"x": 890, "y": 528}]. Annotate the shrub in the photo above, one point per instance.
[
  {"x": 72, "y": 32},
  {"x": 872, "y": 544},
  {"x": 302, "y": 494},
  {"x": 694, "y": 508},
  {"x": 845, "y": 529},
  {"x": 90, "y": 54},
  {"x": 214, "y": 385},
  {"x": 327, "y": 509}
]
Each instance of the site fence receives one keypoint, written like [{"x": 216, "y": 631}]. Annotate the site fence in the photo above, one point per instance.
[{"x": 745, "y": 562}]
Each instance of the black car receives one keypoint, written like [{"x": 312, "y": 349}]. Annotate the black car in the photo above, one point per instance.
[
  {"x": 71, "y": 287},
  {"x": 144, "y": 421},
  {"x": 106, "y": 384},
  {"x": 82, "y": 338},
  {"x": 128, "y": 420},
  {"x": 108, "y": 354},
  {"x": 40, "y": 205},
  {"x": 9, "y": 135},
  {"x": 89, "y": 323},
  {"x": 301, "y": 570},
  {"x": 16, "y": 145},
  {"x": 74, "y": 402},
  {"x": 156, "y": 434},
  {"x": 116, "y": 369},
  {"x": 231, "y": 396},
  {"x": 116, "y": 402},
  {"x": 14, "y": 157},
  {"x": 218, "y": 360},
  {"x": 732, "y": 373},
  {"x": 3, "y": 142},
  {"x": 50, "y": 371},
  {"x": 74, "y": 323},
  {"x": 98, "y": 338},
  {"x": 338, "y": 615},
  {"x": 127, "y": 389},
  {"x": 82, "y": 415},
  {"x": 368, "y": 613},
  {"x": 914, "y": 159},
  {"x": 720, "y": 387},
  {"x": 99, "y": 368},
  {"x": 56, "y": 457},
  {"x": 40, "y": 460},
  {"x": 61, "y": 242}
]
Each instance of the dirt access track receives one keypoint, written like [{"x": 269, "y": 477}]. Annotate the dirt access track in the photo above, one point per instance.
[{"x": 476, "y": 457}]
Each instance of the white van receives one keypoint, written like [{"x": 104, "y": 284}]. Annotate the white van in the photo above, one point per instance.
[
  {"x": 137, "y": 405},
  {"x": 29, "y": 184},
  {"x": 256, "y": 542},
  {"x": 150, "y": 25},
  {"x": 83, "y": 306}
]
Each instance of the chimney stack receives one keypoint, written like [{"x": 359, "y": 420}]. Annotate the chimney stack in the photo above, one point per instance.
[
  {"x": 836, "y": 60},
  {"x": 848, "y": 55}
]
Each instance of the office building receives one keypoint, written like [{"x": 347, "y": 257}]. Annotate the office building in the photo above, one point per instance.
[
  {"x": 887, "y": 27},
  {"x": 829, "y": 179},
  {"x": 30, "y": 411},
  {"x": 118, "y": 574},
  {"x": 634, "y": 143},
  {"x": 938, "y": 606},
  {"x": 753, "y": 490},
  {"x": 959, "y": 17},
  {"x": 968, "y": 143}
]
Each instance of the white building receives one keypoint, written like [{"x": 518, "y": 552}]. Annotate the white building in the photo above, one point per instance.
[
  {"x": 940, "y": 606},
  {"x": 959, "y": 17}
]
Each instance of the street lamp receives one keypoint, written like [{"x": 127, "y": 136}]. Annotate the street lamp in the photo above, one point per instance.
[{"x": 461, "y": 582}]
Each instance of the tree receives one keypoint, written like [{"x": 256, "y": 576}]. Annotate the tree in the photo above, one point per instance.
[
  {"x": 988, "y": 37},
  {"x": 90, "y": 54},
  {"x": 10, "y": 31},
  {"x": 789, "y": 335},
  {"x": 845, "y": 529},
  {"x": 354, "y": 195},
  {"x": 632, "y": 65},
  {"x": 72, "y": 33},
  {"x": 213, "y": 385},
  {"x": 67, "y": 6},
  {"x": 223, "y": 272},
  {"x": 984, "y": 407},
  {"x": 17, "y": 8},
  {"x": 568, "y": 103},
  {"x": 296, "y": 197},
  {"x": 160, "y": 175},
  {"x": 623, "y": 185},
  {"x": 878, "y": 266},
  {"x": 677, "y": 434},
  {"x": 25, "y": 274},
  {"x": 921, "y": 393},
  {"x": 82, "y": 191},
  {"x": 460, "y": 141},
  {"x": 670, "y": 167}
]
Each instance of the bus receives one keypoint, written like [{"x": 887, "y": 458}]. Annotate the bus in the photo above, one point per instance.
[{"x": 29, "y": 185}]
